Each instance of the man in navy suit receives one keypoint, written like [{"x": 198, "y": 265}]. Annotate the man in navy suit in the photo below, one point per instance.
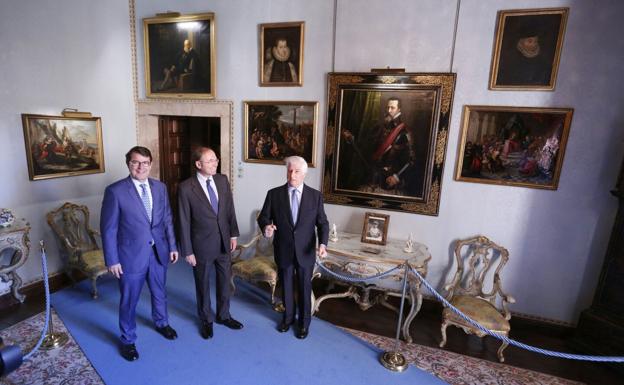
[
  {"x": 208, "y": 231},
  {"x": 292, "y": 213},
  {"x": 139, "y": 242}
]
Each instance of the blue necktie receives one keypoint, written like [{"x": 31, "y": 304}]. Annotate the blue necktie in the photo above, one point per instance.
[
  {"x": 294, "y": 205},
  {"x": 213, "y": 198},
  {"x": 146, "y": 201}
]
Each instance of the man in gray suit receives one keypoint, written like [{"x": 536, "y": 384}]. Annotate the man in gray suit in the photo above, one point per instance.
[{"x": 208, "y": 232}]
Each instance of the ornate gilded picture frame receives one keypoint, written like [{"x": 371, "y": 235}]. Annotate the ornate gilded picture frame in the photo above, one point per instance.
[
  {"x": 375, "y": 228},
  {"x": 180, "y": 58},
  {"x": 276, "y": 130},
  {"x": 513, "y": 146},
  {"x": 385, "y": 140},
  {"x": 527, "y": 49},
  {"x": 58, "y": 146},
  {"x": 281, "y": 54}
]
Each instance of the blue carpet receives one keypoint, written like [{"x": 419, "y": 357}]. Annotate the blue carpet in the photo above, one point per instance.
[{"x": 257, "y": 354}]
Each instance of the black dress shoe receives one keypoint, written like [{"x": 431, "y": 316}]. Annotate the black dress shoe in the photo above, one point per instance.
[
  {"x": 283, "y": 327},
  {"x": 168, "y": 332},
  {"x": 129, "y": 352},
  {"x": 302, "y": 333},
  {"x": 206, "y": 330},
  {"x": 230, "y": 323}
]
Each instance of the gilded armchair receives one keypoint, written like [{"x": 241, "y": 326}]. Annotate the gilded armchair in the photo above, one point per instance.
[
  {"x": 260, "y": 267},
  {"x": 79, "y": 248},
  {"x": 476, "y": 258}
]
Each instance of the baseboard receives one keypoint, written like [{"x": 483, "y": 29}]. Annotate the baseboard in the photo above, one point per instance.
[{"x": 57, "y": 282}]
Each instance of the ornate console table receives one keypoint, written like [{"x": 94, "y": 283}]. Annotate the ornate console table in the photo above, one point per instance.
[
  {"x": 355, "y": 259},
  {"x": 14, "y": 247}
]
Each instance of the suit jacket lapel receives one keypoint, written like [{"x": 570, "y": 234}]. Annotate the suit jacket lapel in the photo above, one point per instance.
[
  {"x": 220, "y": 191},
  {"x": 286, "y": 203},
  {"x": 155, "y": 200},
  {"x": 134, "y": 194},
  {"x": 201, "y": 195}
]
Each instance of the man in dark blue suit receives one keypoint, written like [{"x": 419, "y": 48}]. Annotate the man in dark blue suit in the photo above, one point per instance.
[
  {"x": 292, "y": 213},
  {"x": 138, "y": 242}
]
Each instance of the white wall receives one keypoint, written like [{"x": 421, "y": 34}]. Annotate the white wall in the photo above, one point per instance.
[
  {"x": 237, "y": 27},
  {"x": 69, "y": 53},
  {"x": 557, "y": 239}
]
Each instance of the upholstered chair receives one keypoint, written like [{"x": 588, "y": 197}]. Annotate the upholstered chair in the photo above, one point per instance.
[
  {"x": 78, "y": 245},
  {"x": 479, "y": 263},
  {"x": 259, "y": 267}
]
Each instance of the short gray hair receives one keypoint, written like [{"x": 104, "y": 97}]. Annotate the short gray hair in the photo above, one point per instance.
[{"x": 294, "y": 160}]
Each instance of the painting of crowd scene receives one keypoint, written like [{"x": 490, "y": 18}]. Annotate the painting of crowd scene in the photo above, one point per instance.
[
  {"x": 58, "y": 146},
  {"x": 276, "y": 130},
  {"x": 520, "y": 146}
]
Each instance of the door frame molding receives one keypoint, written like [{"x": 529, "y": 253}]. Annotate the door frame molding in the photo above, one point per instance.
[{"x": 148, "y": 132}]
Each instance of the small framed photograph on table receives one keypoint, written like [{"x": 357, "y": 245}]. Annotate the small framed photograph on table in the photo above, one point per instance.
[{"x": 375, "y": 229}]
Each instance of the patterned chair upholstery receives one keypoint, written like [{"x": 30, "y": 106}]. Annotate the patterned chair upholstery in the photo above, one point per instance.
[
  {"x": 476, "y": 258},
  {"x": 79, "y": 248},
  {"x": 260, "y": 267}
]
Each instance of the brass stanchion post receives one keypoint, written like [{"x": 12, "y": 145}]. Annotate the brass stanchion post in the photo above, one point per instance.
[
  {"x": 394, "y": 360},
  {"x": 52, "y": 340}
]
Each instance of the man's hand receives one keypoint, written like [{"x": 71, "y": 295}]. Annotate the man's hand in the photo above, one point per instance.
[
  {"x": 173, "y": 256},
  {"x": 116, "y": 270},
  {"x": 232, "y": 244},
  {"x": 269, "y": 229},
  {"x": 392, "y": 181},
  {"x": 322, "y": 252},
  {"x": 190, "y": 259}
]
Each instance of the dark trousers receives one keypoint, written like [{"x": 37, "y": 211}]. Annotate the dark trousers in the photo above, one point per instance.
[
  {"x": 201, "y": 272},
  {"x": 130, "y": 286},
  {"x": 302, "y": 277}
]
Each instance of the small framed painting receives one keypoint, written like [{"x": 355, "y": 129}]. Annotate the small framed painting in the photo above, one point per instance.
[
  {"x": 514, "y": 146},
  {"x": 276, "y": 130},
  {"x": 527, "y": 49},
  {"x": 281, "y": 54},
  {"x": 375, "y": 229},
  {"x": 58, "y": 146}
]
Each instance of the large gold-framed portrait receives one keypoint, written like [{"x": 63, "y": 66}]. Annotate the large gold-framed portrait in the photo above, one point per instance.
[
  {"x": 386, "y": 139},
  {"x": 180, "y": 58}
]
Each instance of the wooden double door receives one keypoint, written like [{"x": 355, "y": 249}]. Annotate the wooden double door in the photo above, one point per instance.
[{"x": 179, "y": 136}]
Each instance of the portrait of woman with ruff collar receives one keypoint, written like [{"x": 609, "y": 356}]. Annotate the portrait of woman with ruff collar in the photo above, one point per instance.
[{"x": 281, "y": 54}]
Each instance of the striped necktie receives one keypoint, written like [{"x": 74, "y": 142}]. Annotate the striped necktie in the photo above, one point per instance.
[{"x": 146, "y": 201}]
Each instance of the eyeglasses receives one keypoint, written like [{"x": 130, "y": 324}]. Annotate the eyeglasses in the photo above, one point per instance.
[
  {"x": 136, "y": 163},
  {"x": 209, "y": 161}
]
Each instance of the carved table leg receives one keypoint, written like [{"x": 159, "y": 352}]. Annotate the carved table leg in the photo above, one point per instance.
[
  {"x": 351, "y": 292},
  {"x": 15, "y": 286},
  {"x": 384, "y": 302}
]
